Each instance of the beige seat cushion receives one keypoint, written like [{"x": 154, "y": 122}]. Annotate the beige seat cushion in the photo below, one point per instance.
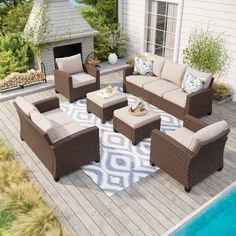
[
  {"x": 160, "y": 87},
  {"x": 135, "y": 121},
  {"x": 45, "y": 125},
  {"x": 158, "y": 63},
  {"x": 178, "y": 97},
  {"x": 56, "y": 123},
  {"x": 25, "y": 105},
  {"x": 82, "y": 79},
  {"x": 182, "y": 135},
  {"x": 70, "y": 65},
  {"x": 173, "y": 72},
  {"x": 140, "y": 80},
  {"x": 207, "y": 133},
  {"x": 68, "y": 129},
  {"x": 116, "y": 98},
  {"x": 205, "y": 77},
  {"x": 58, "y": 117}
]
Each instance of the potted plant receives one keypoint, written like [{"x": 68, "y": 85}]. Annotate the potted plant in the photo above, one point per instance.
[
  {"x": 116, "y": 43},
  {"x": 222, "y": 92},
  {"x": 206, "y": 51}
]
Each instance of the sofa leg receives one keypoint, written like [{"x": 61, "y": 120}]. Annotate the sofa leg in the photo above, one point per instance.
[
  {"x": 134, "y": 143},
  {"x": 103, "y": 121},
  {"x": 21, "y": 139},
  {"x": 56, "y": 179},
  {"x": 97, "y": 161},
  {"x": 115, "y": 130},
  {"x": 220, "y": 169},
  {"x": 56, "y": 91},
  {"x": 152, "y": 164},
  {"x": 71, "y": 101},
  {"x": 187, "y": 189},
  {"x": 209, "y": 113}
]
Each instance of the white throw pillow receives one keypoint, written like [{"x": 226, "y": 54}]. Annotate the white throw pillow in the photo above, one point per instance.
[
  {"x": 207, "y": 133},
  {"x": 191, "y": 84},
  {"x": 143, "y": 66},
  {"x": 45, "y": 125},
  {"x": 70, "y": 65},
  {"x": 205, "y": 77},
  {"x": 25, "y": 105}
]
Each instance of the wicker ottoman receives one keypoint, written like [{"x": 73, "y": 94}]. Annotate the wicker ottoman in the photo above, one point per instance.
[
  {"x": 135, "y": 128},
  {"x": 104, "y": 107}
]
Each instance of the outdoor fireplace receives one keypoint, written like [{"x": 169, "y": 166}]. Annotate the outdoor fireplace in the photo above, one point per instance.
[{"x": 59, "y": 30}]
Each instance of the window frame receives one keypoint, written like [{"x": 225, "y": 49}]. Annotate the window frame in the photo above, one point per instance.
[{"x": 178, "y": 26}]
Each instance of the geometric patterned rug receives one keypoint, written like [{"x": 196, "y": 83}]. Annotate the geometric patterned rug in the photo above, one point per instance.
[{"x": 121, "y": 164}]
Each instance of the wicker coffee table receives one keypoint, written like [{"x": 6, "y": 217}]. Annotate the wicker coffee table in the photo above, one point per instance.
[
  {"x": 135, "y": 128},
  {"x": 104, "y": 107}
]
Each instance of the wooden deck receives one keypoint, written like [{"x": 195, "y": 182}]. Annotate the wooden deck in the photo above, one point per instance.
[{"x": 149, "y": 207}]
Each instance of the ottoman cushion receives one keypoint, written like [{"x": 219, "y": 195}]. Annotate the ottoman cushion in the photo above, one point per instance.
[
  {"x": 116, "y": 98},
  {"x": 135, "y": 121}
]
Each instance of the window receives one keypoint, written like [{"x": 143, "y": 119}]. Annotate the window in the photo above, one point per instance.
[{"x": 160, "y": 27}]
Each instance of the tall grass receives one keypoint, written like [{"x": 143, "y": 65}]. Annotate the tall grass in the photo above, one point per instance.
[
  {"x": 22, "y": 210},
  {"x": 38, "y": 221}
]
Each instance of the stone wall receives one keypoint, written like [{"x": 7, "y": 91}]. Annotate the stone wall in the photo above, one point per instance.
[{"x": 46, "y": 54}]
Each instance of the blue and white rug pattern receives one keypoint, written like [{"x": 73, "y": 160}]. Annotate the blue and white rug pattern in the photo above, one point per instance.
[{"x": 121, "y": 164}]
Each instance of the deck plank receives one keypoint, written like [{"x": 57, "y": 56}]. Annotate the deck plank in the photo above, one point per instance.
[{"x": 149, "y": 207}]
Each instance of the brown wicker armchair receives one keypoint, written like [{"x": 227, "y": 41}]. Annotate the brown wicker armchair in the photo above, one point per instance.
[
  {"x": 65, "y": 155},
  {"x": 77, "y": 85},
  {"x": 188, "y": 166}
]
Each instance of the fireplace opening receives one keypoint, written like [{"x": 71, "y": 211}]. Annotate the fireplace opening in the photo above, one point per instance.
[{"x": 67, "y": 50}]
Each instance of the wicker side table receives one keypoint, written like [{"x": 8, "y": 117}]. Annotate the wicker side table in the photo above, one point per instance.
[
  {"x": 135, "y": 128},
  {"x": 104, "y": 107}
]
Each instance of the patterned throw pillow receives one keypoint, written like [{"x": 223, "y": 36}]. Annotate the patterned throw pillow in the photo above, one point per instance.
[
  {"x": 191, "y": 83},
  {"x": 143, "y": 66}
]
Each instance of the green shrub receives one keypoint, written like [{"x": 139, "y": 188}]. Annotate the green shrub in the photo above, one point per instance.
[
  {"x": 206, "y": 51},
  {"x": 16, "y": 18},
  {"x": 6, "y": 218},
  {"x": 16, "y": 54}
]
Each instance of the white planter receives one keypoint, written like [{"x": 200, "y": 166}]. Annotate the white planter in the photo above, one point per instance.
[{"x": 112, "y": 58}]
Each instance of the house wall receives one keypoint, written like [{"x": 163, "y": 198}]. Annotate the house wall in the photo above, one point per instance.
[
  {"x": 132, "y": 23},
  {"x": 220, "y": 16},
  {"x": 47, "y": 57}
]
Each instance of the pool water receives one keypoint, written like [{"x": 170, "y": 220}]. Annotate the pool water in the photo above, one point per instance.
[{"x": 218, "y": 219}]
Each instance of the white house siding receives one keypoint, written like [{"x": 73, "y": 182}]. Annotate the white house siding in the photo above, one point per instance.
[
  {"x": 220, "y": 16},
  {"x": 132, "y": 23}
]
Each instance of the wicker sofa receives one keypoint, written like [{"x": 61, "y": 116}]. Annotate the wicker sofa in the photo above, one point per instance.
[
  {"x": 163, "y": 89},
  {"x": 74, "y": 79},
  {"x": 191, "y": 153},
  {"x": 59, "y": 142}
]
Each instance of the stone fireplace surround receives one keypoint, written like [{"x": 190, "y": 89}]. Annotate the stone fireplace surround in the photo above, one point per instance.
[{"x": 66, "y": 27}]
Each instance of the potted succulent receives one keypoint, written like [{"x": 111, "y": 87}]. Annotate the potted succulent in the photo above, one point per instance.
[
  {"x": 116, "y": 43},
  {"x": 206, "y": 51}
]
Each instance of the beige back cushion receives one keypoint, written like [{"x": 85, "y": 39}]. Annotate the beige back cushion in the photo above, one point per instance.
[
  {"x": 45, "y": 125},
  {"x": 158, "y": 63},
  {"x": 205, "y": 77},
  {"x": 173, "y": 72},
  {"x": 207, "y": 133},
  {"x": 25, "y": 105},
  {"x": 70, "y": 65}
]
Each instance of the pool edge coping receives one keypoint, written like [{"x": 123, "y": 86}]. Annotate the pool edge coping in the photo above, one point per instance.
[{"x": 194, "y": 213}]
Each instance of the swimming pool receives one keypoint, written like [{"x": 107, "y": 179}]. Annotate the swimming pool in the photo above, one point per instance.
[{"x": 216, "y": 218}]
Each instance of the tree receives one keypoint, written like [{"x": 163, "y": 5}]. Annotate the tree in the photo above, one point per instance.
[{"x": 12, "y": 3}]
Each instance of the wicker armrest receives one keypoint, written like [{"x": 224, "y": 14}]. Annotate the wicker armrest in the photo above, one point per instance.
[
  {"x": 47, "y": 104},
  {"x": 199, "y": 103},
  {"x": 193, "y": 123},
  {"x": 127, "y": 71},
  {"x": 62, "y": 77},
  {"x": 92, "y": 70},
  {"x": 165, "y": 147}
]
